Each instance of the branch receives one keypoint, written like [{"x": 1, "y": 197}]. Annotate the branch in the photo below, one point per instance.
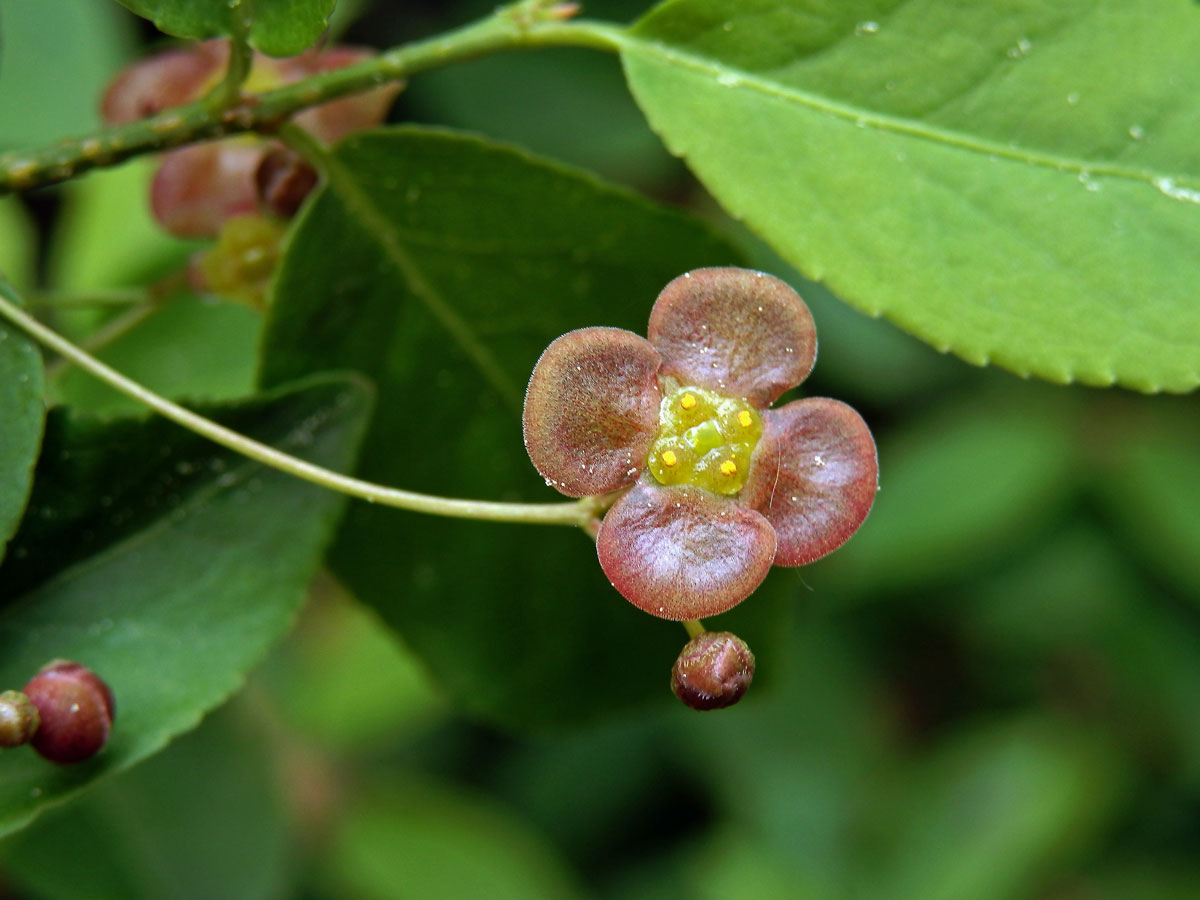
[{"x": 533, "y": 23}]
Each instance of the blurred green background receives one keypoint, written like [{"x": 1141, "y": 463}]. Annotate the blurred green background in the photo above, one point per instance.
[{"x": 992, "y": 692}]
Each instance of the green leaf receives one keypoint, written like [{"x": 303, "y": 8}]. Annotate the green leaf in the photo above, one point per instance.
[
  {"x": 443, "y": 266},
  {"x": 191, "y": 348},
  {"x": 276, "y": 27},
  {"x": 165, "y": 564},
  {"x": 419, "y": 841},
  {"x": 203, "y": 819},
  {"x": 18, "y": 243},
  {"x": 1016, "y": 183},
  {"x": 22, "y": 418}
]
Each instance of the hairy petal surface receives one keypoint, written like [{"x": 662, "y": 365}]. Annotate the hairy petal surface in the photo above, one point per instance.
[
  {"x": 683, "y": 552},
  {"x": 198, "y": 187},
  {"x": 738, "y": 332},
  {"x": 591, "y": 410},
  {"x": 814, "y": 476}
]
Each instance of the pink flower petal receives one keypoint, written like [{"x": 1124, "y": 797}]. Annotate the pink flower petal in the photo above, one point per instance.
[
  {"x": 814, "y": 476},
  {"x": 682, "y": 552},
  {"x": 591, "y": 410},
  {"x": 198, "y": 187},
  {"x": 734, "y": 331}
]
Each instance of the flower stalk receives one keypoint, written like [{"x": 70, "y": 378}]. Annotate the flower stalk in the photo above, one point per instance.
[{"x": 579, "y": 513}]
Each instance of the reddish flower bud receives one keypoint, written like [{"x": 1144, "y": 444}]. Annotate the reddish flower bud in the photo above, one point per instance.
[
  {"x": 18, "y": 719},
  {"x": 283, "y": 180},
  {"x": 713, "y": 671},
  {"x": 169, "y": 79},
  {"x": 200, "y": 186},
  {"x": 76, "y": 710}
]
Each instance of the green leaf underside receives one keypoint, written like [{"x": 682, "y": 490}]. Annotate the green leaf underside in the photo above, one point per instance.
[
  {"x": 22, "y": 417},
  {"x": 276, "y": 27},
  {"x": 166, "y": 564},
  {"x": 506, "y": 253},
  {"x": 1016, "y": 183}
]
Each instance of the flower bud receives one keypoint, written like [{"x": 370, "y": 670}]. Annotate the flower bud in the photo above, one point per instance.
[
  {"x": 76, "y": 710},
  {"x": 713, "y": 671},
  {"x": 283, "y": 180},
  {"x": 18, "y": 719},
  {"x": 240, "y": 265}
]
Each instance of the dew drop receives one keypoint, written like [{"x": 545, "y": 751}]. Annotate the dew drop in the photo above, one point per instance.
[
  {"x": 1137, "y": 132},
  {"x": 1072, "y": 98},
  {"x": 1020, "y": 49},
  {"x": 728, "y": 79},
  {"x": 1175, "y": 192},
  {"x": 868, "y": 27}
]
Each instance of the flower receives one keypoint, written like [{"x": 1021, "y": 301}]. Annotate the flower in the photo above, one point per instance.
[
  {"x": 199, "y": 187},
  {"x": 717, "y": 486}
]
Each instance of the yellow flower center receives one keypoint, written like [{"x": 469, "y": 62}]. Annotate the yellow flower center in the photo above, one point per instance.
[{"x": 704, "y": 439}]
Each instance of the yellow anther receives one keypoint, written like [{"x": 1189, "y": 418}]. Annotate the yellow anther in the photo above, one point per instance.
[
  {"x": 669, "y": 458},
  {"x": 687, "y": 401},
  {"x": 729, "y": 467},
  {"x": 744, "y": 419}
]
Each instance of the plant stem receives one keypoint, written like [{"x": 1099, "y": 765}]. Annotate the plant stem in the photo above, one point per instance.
[
  {"x": 694, "y": 627},
  {"x": 578, "y": 513},
  {"x": 533, "y": 23},
  {"x": 241, "y": 57}
]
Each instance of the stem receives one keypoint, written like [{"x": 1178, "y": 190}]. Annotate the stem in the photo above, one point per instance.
[
  {"x": 578, "y": 513},
  {"x": 694, "y": 627},
  {"x": 241, "y": 58},
  {"x": 529, "y": 24}
]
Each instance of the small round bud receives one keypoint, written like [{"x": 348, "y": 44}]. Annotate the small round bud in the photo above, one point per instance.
[
  {"x": 283, "y": 180},
  {"x": 240, "y": 265},
  {"x": 713, "y": 670},
  {"x": 18, "y": 719},
  {"x": 76, "y": 709}
]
